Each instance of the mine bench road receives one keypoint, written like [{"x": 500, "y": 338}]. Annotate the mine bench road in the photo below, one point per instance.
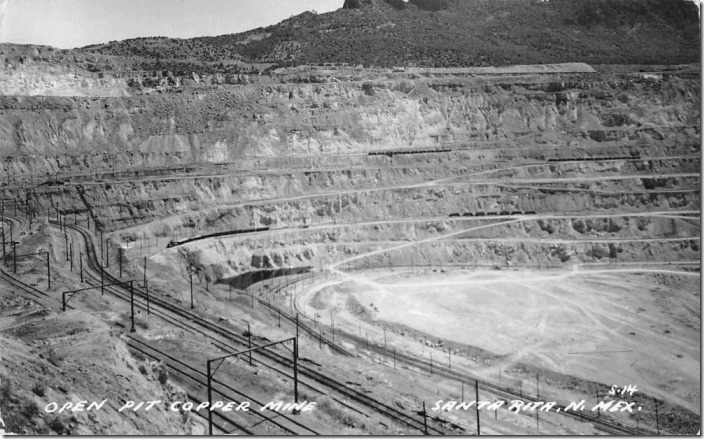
[
  {"x": 502, "y": 392},
  {"x": 454, "y": 372},
  {"x": 438, "y": 182},
  {"x": 449, "y": 181},
  {"x": 514, "y": 217},
  {"x": 534, "y": 163},
  {"x": 85, "y": 178},
  {"x": 195, "y": 323}
]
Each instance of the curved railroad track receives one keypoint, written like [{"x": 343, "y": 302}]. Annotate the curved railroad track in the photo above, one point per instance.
[
  {"x": 196, "y": 323},
  {"x": 500, "y": 391}
]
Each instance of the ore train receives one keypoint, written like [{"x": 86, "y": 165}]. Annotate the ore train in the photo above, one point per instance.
[
  {"x": 174, "y": 243},
  {"x": 503, "y": 212}
]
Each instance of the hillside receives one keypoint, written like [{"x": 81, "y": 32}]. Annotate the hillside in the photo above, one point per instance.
[
  {"x": 442, "y": 33},
  {"x": 502, "y": 233}
]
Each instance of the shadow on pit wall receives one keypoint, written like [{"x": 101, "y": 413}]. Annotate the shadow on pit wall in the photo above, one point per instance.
[{"x": 245, "y": 280}]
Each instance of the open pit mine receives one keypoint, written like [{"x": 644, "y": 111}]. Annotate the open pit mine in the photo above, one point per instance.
[{"x": 330, "y": 249}]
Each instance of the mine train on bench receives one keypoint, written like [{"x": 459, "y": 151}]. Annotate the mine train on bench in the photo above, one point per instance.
[
  {"x": 503, "y": 212},
  {"x": 174, "y": 243}
]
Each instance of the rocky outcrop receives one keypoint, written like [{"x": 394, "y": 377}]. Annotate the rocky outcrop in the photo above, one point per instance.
[{"x": 233, "y": 122}]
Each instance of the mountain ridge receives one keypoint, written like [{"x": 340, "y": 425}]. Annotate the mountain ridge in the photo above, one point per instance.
[{"x": 436, "y": 33}]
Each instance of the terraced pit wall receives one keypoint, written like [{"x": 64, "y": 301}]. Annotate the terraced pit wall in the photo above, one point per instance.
[
  {"x": 297, "y": 156},
  {"x": 45, "y": 135}
]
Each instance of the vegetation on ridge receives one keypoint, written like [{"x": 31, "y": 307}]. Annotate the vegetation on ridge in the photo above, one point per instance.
[{"x": 448, "y": 33}]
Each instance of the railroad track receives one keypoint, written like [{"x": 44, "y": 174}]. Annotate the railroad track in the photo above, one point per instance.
[
  {"x": 225, "y": 419},
  {"x": 302, "y": 326},
  {"x": 503, "y": 392},
  {"x": 30, "y": 292},
  {"x": 214, "y": 340},
  {"x": 18, "y": 228},
  {"x": 196, "y": 323},
  {"x": 494, "y": 168},
  {"x": 198, "y": 377},
  {"x": 178, "y": 366},
  {"x": 41, "y": 297}
]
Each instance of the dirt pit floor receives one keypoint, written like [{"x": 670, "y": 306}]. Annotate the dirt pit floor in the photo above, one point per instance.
[{"x": 636, "y": 327}]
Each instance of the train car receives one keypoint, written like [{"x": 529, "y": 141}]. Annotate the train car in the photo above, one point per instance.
[{"x": 174, "y": 243}]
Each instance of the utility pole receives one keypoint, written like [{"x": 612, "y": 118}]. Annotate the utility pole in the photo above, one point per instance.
[
  {"x": 146, "y": 290},
  {"x": 131, "y": 304},
  {"x": 146, "y": 282},
  {"x": 249, "y": 342},
  {"x": 295, "y": 368},
  {"x": 598, "y": 411},
  {"x": 14, "y": 256},
  {"x": 425, "y": 420},
  {"x": 210, "y": 398},
  {"x": 48, "y": 271},
  {"x": 476, "y": 398},
  {"x": 191, "y": 275}
]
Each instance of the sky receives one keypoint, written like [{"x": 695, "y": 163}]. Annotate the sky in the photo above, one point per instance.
[{"x": 76, "y": 23}]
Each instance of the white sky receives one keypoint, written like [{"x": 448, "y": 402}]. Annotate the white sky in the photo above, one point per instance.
[{"x": 76, "y": 23}]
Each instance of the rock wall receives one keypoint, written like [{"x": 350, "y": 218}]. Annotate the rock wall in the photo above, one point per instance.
[{"x": 42, "y": 135}]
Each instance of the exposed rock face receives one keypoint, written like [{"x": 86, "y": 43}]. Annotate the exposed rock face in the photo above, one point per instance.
[
  {"x": 374, "y": 4},
  {"x": 356, "y": 4},
  {"x": 308, "y": 123},
  {"x": 232, "y": 123}
]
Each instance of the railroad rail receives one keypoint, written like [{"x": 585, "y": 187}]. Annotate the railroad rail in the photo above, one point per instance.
[
  {"x": 498, "y": 390},
  {"x": 284, "y": 423},
  {"x": 196, "y": 323}
]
